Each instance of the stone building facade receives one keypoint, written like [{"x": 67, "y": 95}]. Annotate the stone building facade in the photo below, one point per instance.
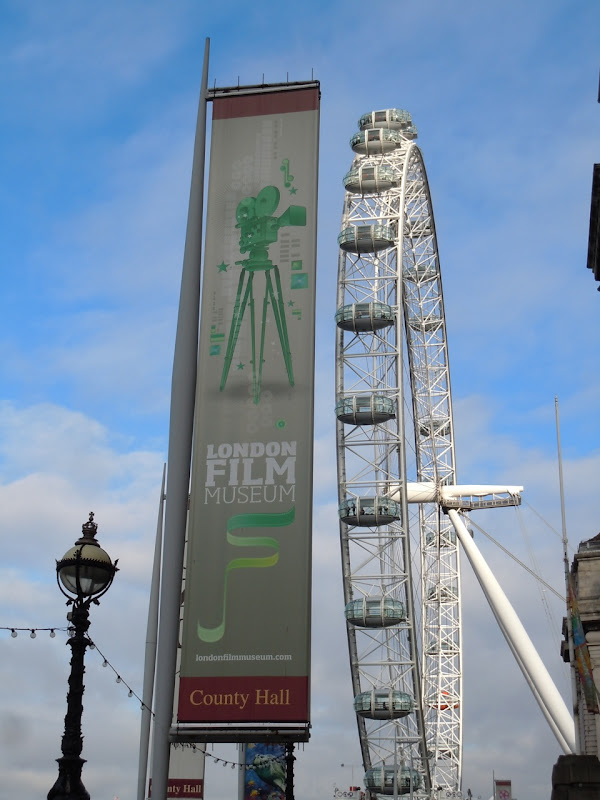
[{"x": 585, "y": 571}]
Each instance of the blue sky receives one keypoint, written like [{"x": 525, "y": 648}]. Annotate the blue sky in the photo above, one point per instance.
[{"x": 97, "y": 114}]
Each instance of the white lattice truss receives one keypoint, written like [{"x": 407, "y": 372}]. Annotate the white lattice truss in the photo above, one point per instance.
[{"x": 422, "y": 655}]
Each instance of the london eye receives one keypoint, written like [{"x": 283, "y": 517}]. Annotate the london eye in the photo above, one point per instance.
[{"x": 400, "y": 566}]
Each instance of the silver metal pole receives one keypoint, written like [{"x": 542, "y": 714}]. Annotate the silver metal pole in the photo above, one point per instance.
[
  {"x": 150, "y": 656},
  {"x": 565, "y": 543},
  {"x": 183, "y": 391}
]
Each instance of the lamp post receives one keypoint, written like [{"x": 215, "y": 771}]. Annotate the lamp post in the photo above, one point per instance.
[{"x": 83, "y": 574}]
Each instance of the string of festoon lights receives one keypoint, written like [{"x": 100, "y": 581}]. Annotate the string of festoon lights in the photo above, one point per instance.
[{"x": 14, "y": 632}]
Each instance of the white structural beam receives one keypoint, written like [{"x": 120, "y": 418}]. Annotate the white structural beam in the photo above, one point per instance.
[
  {"x": 426, "y": 492},
  {"x": 528, "y": 659},
  {"x": 561, "y": 740}
]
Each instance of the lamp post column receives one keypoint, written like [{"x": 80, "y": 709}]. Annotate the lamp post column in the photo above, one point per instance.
[{"x": 69, "y": 785}]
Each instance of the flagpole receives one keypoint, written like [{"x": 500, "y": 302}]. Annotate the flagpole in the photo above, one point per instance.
[
  {"x": 242, "y": 772},
  {"x": 565, "y": 543}
]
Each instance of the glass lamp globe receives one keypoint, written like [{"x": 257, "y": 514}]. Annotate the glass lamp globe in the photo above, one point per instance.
[{"x": 86, "y": 570}]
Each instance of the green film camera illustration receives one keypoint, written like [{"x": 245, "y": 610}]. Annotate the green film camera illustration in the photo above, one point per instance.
[{"x": 259, "y": 229}]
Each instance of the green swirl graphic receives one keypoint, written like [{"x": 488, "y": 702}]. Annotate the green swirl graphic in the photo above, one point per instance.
[{"x": 274, "y": 520}]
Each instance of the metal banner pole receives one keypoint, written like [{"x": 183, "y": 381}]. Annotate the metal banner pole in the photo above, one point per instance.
[{"x": 183, "y": 392}]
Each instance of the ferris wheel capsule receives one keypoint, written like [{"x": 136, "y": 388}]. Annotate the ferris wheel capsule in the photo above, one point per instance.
[
  {"x": 364, "y": 317},
  {"x": 383, "y": 704},
  {"x": 376, "y": 141},
  {"x": 365, "y": 409},
  {"x": 368, "y": 178},
  {"x": 393, "y": 118},
  {"x": 387, "y": 780},
  {"x": 375, "y": 612}
]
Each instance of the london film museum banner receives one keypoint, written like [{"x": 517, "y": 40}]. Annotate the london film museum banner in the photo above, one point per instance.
[{"x": 246, "y": 634}]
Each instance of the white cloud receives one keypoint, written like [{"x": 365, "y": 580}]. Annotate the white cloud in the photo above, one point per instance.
[{"x": 58, "y": 464}]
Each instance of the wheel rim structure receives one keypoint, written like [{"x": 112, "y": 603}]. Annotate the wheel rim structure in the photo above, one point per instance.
[{"x": 401, "y": 570}]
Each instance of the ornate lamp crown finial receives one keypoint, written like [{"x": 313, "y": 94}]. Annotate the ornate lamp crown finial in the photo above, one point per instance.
[{"x": 88, "y": 530}]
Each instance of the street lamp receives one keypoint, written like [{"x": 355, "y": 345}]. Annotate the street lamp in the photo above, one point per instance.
[{"x": 83, "y": 574}]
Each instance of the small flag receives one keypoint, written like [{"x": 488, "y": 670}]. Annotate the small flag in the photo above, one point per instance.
[{"x": 502, "y": 790}]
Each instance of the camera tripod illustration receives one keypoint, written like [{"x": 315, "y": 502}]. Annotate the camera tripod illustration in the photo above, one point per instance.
[{"x": 258, "y": 230}]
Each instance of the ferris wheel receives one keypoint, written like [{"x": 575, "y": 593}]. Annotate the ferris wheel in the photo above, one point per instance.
[{"x": 394, "y": 426}]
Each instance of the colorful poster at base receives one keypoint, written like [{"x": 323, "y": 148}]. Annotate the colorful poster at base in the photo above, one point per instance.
[
  {"x": 265, "y": 772},
  {"x": 245, "y": 646}
]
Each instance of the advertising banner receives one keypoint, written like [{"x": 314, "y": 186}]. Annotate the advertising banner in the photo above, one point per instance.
[
  {"x": 245, "y": 646},
  {"x": 186, "y": 773}
]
